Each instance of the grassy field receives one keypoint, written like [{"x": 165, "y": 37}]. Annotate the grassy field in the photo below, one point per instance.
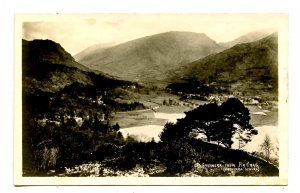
[
  {"x": 134, "y": 119},
  {"x": 140, "y": 118},
  {"x": 154, "y": 103}
]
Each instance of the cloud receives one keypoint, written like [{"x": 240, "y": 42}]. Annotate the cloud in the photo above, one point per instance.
[{"x": 80, "y": 33}]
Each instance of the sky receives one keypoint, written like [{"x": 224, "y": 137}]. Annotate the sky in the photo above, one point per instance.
[{"x": 77, "y": 32}]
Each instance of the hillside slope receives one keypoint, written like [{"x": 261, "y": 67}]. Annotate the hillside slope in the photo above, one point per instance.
[
  {"x": 92, "y": 49},
  {"x": 47, "y": 67},
  {"x": 246, "y": 68},
  {"x": 63, "y": 106},
  {"x": 249, "y": 37},
  {"x": 148, "y": 58},
  {"x": 47, "y": 51}
]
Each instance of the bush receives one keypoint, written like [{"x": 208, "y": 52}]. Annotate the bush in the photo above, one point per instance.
[
  {"x": 178, "y": 156},
  {"x": 107, "y": 150},
  {"x": 173, "y": 131},
  {"x": 49, "y": 157}
]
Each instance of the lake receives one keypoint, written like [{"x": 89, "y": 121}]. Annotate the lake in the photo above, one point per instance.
[
  {"x": 151, "y": 131},
  {"x": 148, "y": 132}
]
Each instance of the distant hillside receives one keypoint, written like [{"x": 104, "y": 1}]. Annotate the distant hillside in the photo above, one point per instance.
[
  {"x": 148, "y": 59},
  {"x": 92, "y": 49},
  {"x": 246, "y": 68},
  {"x": 47, "y": 67},
  {"x": 249, "y": 37}
]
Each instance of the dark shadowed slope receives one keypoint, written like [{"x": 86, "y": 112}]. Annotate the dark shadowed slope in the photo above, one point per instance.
[
  {"x": 47, "y": 67},
  {"x": 246, "y": 68},
  {"x": 148, "y": 59},
  {"x": 39, "y": 51}
]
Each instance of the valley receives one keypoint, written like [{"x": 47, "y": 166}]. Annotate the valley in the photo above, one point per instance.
[{"x": 158, "y": 105}]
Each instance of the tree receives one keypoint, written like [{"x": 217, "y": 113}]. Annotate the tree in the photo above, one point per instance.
[
  {"x": 267, "y": 147},
  {"x": 165, "y": 102},
  {"x": 173, "y": 131},
  {"x": 217, "y": 123},
  {"x": 178, "y": 156},
  {"x": 119, "y": 135},
  {"x": 238, "y": 116},
  {"x": 87, "y": 124},
  {"x": 116, "y": 127},
  {"x": 202, "y": 120},
  {"x": 71, "y": 124}
]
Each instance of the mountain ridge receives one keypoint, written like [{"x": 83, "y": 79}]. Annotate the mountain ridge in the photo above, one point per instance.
[
  {"x": 239, "y": 68},
  {"x": 39, "y": 51},
  {"x": 248, "y": 37},
  {"x": 80, "y": 55},
  {"x": 146, "y": 59},
  {"x": 48, "y": 67}
]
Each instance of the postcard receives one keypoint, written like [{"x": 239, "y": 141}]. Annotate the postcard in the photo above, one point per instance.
[{"x": 151, "y": 99}]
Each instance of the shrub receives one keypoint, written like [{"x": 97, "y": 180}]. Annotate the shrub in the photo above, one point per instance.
[{"x": 178, "y": 156}]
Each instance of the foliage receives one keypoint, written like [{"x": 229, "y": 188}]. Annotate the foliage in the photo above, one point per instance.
[
  {"x": 194, "y": 87},
  {"x": 267, "y": 147},
  {"x": 178, "y": 156},
  {"x": 217, "y": 123},
  {"x": 173, "y": 131}
]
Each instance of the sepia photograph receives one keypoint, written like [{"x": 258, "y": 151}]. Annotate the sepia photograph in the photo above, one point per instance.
[{"x": 151, "y": 99}]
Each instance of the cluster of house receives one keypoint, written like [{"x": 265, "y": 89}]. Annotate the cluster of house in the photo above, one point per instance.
[
  {"x": 98, "y": 99},
  {"x": 58, "y": 119},
  {"x": 129, "y": 86}
]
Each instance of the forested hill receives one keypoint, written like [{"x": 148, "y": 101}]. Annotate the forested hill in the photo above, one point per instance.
[
  {"x": 63, "y": 105},
  {"x": 47, "y": 67},
  {"x": 47, "y": 51},
  {"x": 249, "y": 68},
  {"x": 147, "y": 59}
]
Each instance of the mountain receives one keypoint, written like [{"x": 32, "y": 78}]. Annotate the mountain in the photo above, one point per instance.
[
  {"x": 47, "y": 51},
  {"x": 249, "y": 37},
  {"x": 92, "y": 49},
  {"x": 148, "y": 59},
  {"x": 47, "y": 67},
  {"x": 55, "y": 90},
  {"x": 247, "y": 68}
]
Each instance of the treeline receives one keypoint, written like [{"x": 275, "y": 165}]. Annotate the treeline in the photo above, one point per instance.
[
  {"x": 130, "y": 106},
  {"x": 200, "y": 88}
]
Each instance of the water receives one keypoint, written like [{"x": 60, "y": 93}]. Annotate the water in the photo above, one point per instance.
[
  {"x": 143, "y": 133},
  {"x": 170, "y": 117},
  {"x": 257, "y": 140},
  {"x": 146, "y": 133}
]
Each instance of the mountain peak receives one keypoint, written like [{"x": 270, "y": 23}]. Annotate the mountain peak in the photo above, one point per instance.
[
  {"x": 182, "y": 32},
  {"x": 249, "y": 37},
  {"x": 47, "y": 51},
  {"x": 147, "y": 59},
  {"x": 185, "y": 34}
]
